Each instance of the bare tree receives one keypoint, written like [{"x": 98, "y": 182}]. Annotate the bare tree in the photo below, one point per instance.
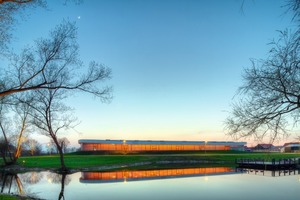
[
  {"x": 54, "y": 66},
  {"x": 52, "y": 147},
  {"x": 52, "y": 117},
  {"x": 294, "y": 7},
  {"x": 14, "y": 129},
  {"x": 9, "y": 9},
  {"x": 26, "y": 72},
  {"x": 5, "y": 145},
  {"x": 32, "y": 146},
  {"x": 271, "y": 91},
  {"x": 59, "y": 54},
  {"x": 65, "y": 143}
]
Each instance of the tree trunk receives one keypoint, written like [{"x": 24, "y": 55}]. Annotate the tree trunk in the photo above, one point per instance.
[
  {"x": 61, "y": 154},
  {"x": 18, "y": 150},
  {"x": 6, "y": 149},
  {"x": 62, "y": 160}
]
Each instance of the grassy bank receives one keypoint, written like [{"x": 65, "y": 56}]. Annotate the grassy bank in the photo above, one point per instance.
[
  {"x": 78, "y": 161},
  {"x": 8, "y": 197}
]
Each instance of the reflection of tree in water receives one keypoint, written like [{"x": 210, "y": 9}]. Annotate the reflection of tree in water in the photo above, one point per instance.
[
  {"x": 63, "y": 178},
  {"x": 12, "y": 183},
  {"x": 31, "y": 177},
  {"x": 9, "y": 182},
  {"x": 16, "y": 183},
  {"x": 57, "y": 178}
]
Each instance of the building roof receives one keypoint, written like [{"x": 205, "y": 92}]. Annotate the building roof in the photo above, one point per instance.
[
  {"x": 291, "y": 143},
  {"x": 153, "y": 142},
  {"x": 263, "y": 146}
]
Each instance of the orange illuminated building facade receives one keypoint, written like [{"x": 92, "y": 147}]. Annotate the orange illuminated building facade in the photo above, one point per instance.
[
  {"x": 152, "y": 145},
  {"x": 123, "y": 176}
]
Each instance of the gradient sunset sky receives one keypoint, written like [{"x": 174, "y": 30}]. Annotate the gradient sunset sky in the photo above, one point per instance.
[{"x": 176, "y": 64}]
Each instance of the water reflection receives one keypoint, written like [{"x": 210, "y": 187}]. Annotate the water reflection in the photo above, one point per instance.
[
  {"x": 117, "y": 176},
  {"x": 31, "y": 177},
  {"x": 17, "y": 183},
  {"x": 62, "y": 179},
  {"x": 273, "y": 173},
  {"x": 175, "y": 184},
  {"x": 12, "y": 183}
]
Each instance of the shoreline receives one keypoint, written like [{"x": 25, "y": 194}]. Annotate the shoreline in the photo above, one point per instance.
[
  {"x": 78, "y": 163},
  {"x": 137, "y": 165}
]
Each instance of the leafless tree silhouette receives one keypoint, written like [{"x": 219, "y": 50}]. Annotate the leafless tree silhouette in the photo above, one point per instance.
[{"x": 270, "y": 95}]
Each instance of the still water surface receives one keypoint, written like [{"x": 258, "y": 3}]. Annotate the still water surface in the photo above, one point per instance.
[{"x": 209, "y": 184}]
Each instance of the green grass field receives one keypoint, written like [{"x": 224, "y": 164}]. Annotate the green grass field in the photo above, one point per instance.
[
  {"x": 7, "y": 197},
  {"x": 78, "y": 161}
]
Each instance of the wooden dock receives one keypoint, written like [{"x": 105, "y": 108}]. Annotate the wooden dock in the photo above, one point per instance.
[
  {"x": 271, "y": 173},
  {"x": 280, "y": 164}
]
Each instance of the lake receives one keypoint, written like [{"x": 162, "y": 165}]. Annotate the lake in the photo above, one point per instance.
[{"x": 193, "y": 183}]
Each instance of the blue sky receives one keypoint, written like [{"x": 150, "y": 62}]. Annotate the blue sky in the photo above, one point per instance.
[{"x": 176, "y": 64}]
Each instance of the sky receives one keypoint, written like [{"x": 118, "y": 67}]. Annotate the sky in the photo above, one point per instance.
[{"x": 176, "y": 64}]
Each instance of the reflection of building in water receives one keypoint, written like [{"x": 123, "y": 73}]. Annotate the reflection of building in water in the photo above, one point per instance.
[
  {"x": 96, "y": 177},
  {"x": 151, "y": 145}
]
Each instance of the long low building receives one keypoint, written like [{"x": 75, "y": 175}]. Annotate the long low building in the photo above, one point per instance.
[{"x": 152, "y": 145}]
